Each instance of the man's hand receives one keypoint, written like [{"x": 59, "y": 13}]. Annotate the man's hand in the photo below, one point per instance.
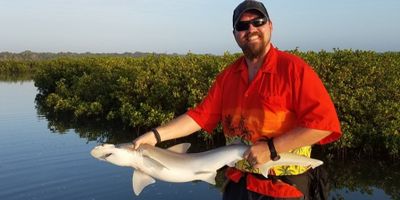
[
  {"x": 147, "y": 138},
  {"x": 257, "y": 154}
]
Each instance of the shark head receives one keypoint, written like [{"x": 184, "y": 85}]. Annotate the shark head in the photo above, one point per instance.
[
  {"x": 102, "y": 151},
  {"x": 123, "y": 157}
]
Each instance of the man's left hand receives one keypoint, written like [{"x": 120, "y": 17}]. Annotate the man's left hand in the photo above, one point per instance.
[{"x": 257, "y": 154}]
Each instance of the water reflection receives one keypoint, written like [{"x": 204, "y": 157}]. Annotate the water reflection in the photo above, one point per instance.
[
  {"x": 53, "y": 163},
  {"x": 379, "y": 179},
  {"x": 348, "y": 179},
  {"x": 15, "y": 78}
]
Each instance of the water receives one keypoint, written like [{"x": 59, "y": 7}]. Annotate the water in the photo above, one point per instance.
[{"x": 38, "y": 162}]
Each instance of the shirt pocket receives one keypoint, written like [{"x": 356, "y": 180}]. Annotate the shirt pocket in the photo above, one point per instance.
[
  {"x": 270, "y": 93},
  {"x": 272, "y": 103}
]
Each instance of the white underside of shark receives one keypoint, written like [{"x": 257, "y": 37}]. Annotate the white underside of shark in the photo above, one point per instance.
[{"x": 175, "y": 165}]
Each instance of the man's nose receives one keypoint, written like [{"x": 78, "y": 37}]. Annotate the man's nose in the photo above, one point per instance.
[{"x": 251, "y": 28}]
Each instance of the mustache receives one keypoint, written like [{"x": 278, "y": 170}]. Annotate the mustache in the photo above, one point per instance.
[{"x": 254, "y": 34}]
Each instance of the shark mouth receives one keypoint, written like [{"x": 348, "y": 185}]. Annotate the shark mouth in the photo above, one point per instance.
[{"x": 105, "y": 156}]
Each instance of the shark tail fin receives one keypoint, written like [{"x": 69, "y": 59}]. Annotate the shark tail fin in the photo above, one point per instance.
[{"x": 316, "y": 163}]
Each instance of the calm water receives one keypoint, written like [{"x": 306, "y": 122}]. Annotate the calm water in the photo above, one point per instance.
[{"x": 37, "y": 162}]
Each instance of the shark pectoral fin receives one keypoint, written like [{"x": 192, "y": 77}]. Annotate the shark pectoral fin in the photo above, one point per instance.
[
  {"x": 140, "y": 180},
  {"x": 180, "y": 148},
  {"x": 207, "y": 176},
  {"x": 264, "y": 169}
]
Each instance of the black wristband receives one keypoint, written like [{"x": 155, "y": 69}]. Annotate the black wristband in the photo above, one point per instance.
[
  {"x": 156, "y": 134},
  {"x": 272, "y": 150}
]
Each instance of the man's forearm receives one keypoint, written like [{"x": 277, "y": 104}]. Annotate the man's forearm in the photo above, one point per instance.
[
  {"x": 299, "y": 137},
  {"x": 178, "y": 127},
  {"x": 259, "y": 152}
]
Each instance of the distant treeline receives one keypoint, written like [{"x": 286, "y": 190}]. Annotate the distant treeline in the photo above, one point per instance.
[
  {"x": 35, "y": 56},
  {"x": 142, "y": 92},
  {"x": 23, "y": 65}
]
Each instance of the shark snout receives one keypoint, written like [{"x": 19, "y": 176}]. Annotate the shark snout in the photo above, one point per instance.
[{"x": 103, "y": 151}]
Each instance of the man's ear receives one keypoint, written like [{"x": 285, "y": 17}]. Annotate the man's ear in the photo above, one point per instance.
[
  {"x": 234, "y": 36},
  {"x": 270, "y": 24}
]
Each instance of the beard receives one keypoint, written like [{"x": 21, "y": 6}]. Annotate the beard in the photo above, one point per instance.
[{"x": 253, "y": 50}]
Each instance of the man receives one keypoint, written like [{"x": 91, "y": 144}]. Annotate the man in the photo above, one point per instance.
[{"x": 269, "y": 99}]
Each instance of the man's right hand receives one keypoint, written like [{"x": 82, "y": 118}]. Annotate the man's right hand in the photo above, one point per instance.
[{"x": 147, "y": 138}]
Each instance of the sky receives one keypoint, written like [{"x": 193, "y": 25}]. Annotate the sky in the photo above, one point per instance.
[{"x": 202, "y": 26}]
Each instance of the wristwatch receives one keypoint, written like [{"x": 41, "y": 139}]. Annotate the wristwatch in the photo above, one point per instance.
[{"x": 272, "y": 150}]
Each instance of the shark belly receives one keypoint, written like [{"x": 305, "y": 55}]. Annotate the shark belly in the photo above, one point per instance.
[{"x": 183, "y": 170}]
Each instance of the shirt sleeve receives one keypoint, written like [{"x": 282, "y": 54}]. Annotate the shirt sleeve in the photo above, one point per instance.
[
  {"x": 208, "y": 113},
  {"x": 314, "y": 107}
]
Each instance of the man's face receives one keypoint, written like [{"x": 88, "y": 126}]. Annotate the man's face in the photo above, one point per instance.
[{"x": 254, "y": 41}]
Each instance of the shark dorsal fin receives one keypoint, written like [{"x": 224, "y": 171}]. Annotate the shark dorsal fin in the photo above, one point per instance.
[
  {"x": 140, "y": 180},
  {"x": 180, "y": 148}
]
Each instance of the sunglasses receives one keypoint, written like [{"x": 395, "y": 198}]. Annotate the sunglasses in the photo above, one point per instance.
[{"x": 245, "y": 25}]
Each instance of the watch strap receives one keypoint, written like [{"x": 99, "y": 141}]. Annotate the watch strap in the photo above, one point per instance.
[
  {"x": 274, "y": 155},
  {"x": 156, "y": 135}
]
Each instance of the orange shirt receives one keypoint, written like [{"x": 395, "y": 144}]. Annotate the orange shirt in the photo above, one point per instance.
[{"x": 284, "y": 94}]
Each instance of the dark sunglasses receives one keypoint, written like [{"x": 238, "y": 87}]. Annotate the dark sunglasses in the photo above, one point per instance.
[{"x": 245, "y": 25}]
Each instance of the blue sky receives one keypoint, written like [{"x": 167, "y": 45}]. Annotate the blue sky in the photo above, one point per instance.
[{"x": 202, "y": 26}]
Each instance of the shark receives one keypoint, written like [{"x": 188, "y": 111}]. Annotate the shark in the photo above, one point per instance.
[{"x": 174, "y": 164}]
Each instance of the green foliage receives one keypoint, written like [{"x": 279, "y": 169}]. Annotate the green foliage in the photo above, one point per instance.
[
  {"x": 147, "y": 91},
  {"x": 14, "y": 68},
  {"x": 363, "y": 85},
  {"x": 139, "y": 92}
]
